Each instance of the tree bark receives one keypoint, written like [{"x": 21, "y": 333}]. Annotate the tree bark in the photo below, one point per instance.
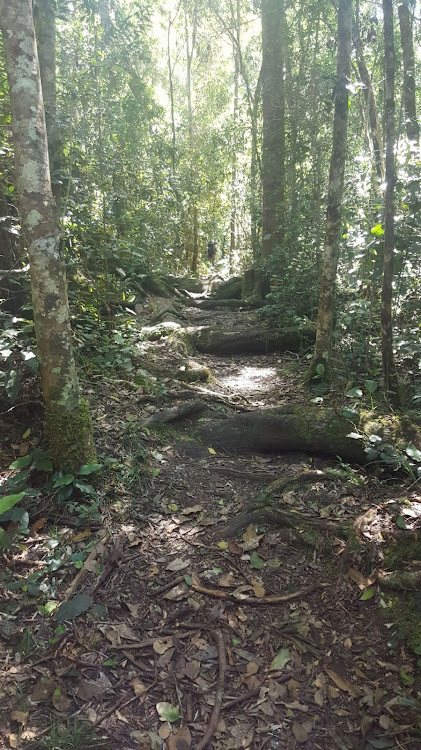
[
  {"x": 45, "y": 27},
  {"x": 233, "y": 217},
  {"x": 389, "y": 370},
  {"x": 370, "y": 99},
  {"x": 68, "y": 421},
  {"x": 322, "y": 349},
  {"x": 273, "y": 148},
  {"x": 409, "y": 90},
  {"x": 190, "y": 46}
]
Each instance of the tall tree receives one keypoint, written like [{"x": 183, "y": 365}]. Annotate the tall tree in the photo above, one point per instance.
[
  {"x": 389, "y": 370},
  {"x": 273, "y": 147},
  {"x": 409, "y": 89},
  {"x": 45, "y": 27},
  {"x": 67, "y": 416},
  {"x": 322, "y": 351},
  {"x": 190, "y": 39}
]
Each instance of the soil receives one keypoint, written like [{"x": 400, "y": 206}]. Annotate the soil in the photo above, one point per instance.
[{"x": 182, "y": 643}]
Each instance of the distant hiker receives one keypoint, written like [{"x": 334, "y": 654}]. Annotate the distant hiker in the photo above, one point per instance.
[{"x": 212, "y": 252}]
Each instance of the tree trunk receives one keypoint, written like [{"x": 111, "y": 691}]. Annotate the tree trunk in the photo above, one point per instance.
[
  {"x": 389, "y": 371},
  {"x": 409, "y": 91},
  {"x": 68, "y": 421},
  {"x": 322, "y": 349},
  {"x": 233, "y": 217},
  {"x": 370, "y": 99},
  {"x": 255, "y": 176},
  {"x": 190, "y": 45},
  {"x": 273, "y": 148},
  {"x": 45, "y": 27}
]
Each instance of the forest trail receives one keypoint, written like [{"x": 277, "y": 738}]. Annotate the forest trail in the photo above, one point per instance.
[{"x": 269, "y": 638}]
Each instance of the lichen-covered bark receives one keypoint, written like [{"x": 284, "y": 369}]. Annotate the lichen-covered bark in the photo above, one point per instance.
[
  {"x": 273, "y": 146},
  {"x": 45, "y": 24},
  {"x": 49, "y": 291},
  {"x": 389, "y": 371},
  {"x": 322, "y": 349}
]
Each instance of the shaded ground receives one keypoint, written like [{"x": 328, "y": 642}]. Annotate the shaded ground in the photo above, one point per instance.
[{"x": 179, "y": 622}]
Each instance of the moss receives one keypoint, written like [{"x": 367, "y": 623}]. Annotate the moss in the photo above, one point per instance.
[
  {"x": 70, "y": 436},
  {"x": 397, "y": 554},
  {"x": 404, "y": 610}
]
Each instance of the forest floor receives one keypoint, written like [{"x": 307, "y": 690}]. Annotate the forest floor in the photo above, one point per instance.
[{"x": 173, "y": 641}]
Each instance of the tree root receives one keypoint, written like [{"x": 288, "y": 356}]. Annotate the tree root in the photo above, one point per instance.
[
  {"x": 219, "y": 642},
  {"x": 175, "y": 413}
]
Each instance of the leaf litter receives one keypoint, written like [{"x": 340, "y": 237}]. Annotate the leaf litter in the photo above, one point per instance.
[{"x": 187, "y": 636}]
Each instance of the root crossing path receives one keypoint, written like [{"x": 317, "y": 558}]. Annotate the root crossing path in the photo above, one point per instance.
[{"x": 233, "y": 608}]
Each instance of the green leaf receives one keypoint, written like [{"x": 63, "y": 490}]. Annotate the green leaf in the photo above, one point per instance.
[
  {"x": 167, "y": 712},
  {"x": 371, "y": 386},
  {"x": 44, "y": 464},
  {"x": 400, "y": 522},
  {"x": 188, "y": 580},
  {"x": 405, "y": 678},
  {"x": 62, "y": 480},
  {"x": 87, "y": 489},
  {"x": 21, "y": 463},
  {"x": 73, "y": 608},
  {"x": 26, "y": 434},
  {"x": 413, "y": 452},
  {"x": 256, "y": 561},
  {"x": 354, "y": 393},
  {"x": 377, "y": 230},
  {"x": 12, "y": 385},
  {"x": 367, "y": 594},
  {"x": 281, "y": 659},
  {"x": 350, "y": 413},
  {"x": 9, "y": 501},
  {"x": 320, "y": 369},
  {"x": 5, "y": 540},
  {"x": 89, "y": 469}
]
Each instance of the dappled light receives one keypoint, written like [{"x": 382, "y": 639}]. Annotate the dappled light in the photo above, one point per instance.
[{"x": 210, "y": 375}]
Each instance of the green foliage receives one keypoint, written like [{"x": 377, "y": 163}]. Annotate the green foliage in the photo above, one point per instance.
[{"x": 73, "y": 735}]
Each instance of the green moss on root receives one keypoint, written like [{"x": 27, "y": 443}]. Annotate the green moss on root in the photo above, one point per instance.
[{"x": 70, "y": 437}]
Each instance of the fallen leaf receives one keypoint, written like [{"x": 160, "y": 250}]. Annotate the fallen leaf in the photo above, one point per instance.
[
  {"x": 43, "y": 690},
  {"x": 212, "y": 451},
  {"x": 178, "y": 564},
  {"x": 358, "y": 578},
  {"x": 20, "y": 716},
  {"x": 300, "y": 732},
  {"x": 13, "y": 740},
  {"x": 161, "y": 645},
  {"x": 139, "y": 688},
  {"x": 281, "y": 659},
  {"x": 37, "y": 525},
  {"x": 234, "y": 548},
  {"x": 252, "y": 668},
  {"x": 343, "y": 684},
  {"x": 180, "y": 740},
  {"x": 192, "y": 509},
  {"x": 177, "y": 593},
  {"x": 319, "y": 698},
  {"x": 61, "y": 702},
  {"x": 73, "y": 607},
  {"x": 164, "y": 731},
  {"x": 256, "y": 561},
  {"x": 167, "y": 712},
  {"x": 226, "y": 580},
  {"x": 258, "y": 589},
  {"x": 121, "y": 717}
]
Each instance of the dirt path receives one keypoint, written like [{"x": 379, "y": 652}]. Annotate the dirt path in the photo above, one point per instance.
[{"x": 182, "y": 644}]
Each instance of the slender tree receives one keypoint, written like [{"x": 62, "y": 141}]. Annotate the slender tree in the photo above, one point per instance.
[
  {"x": 45, "y": 28},
  {"x": 67, "y": 416},
  {"x": 273, "y": 104},
  {"x": 389, "y": 371},
  {"x": 409, "y": 89},
  {"x": 322, "y": 351}
]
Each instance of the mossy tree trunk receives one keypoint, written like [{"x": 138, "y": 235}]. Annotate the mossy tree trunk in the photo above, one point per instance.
[
  {"x": 67, "y": 417},
  {"x": 322, "y": 349}
]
